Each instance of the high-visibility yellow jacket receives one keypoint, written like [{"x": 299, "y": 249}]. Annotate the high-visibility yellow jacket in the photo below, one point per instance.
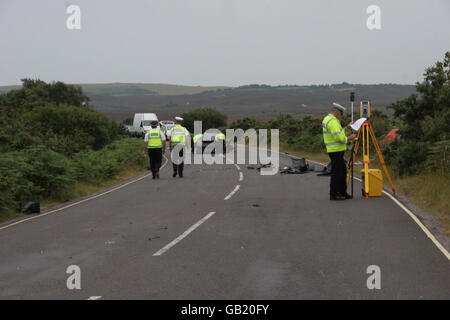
[
  {"x": 333, "y": 134},
  {"x": 197, "y": 137},
  {"x": 219, "y": 136},
  {"x": 154, "y": 139},
  {"x": 178, "y": 135}
]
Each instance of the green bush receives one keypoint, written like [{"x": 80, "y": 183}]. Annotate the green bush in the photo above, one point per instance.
[
  {"x": 38, "y": 173},
  {"x": 304, "y": 133},
  {"x": 13, "y": 184},
  {"x": 211, "y": 119},
  {"x": 55, "y": 115},
  {"x": 50, "y": 139},
  {"x": 405, "y": 157},
  {"x": 49, "y": 170},
  {"x": 69, "y": 130},
  {"x": 97, "y": 166},
  {"x": 426, "y": 123},
  {"x": 34, "y": 173},
  {"x": 438, "y": 157}
]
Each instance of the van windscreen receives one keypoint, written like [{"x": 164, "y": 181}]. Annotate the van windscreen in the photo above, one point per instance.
[{"x": 147, "y": 123}]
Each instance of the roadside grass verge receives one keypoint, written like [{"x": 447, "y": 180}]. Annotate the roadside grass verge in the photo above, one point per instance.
[
  {"x": 82, "y": 189},
  {"x": 429, "y": 191},
  {"x": 51, "y": 178}
]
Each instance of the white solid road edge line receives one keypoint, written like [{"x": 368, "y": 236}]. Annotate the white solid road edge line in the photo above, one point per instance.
[
  {"x": 232, "y": 192},
  {"x": 81, "y": 201},
  {"x": 184, "y": 234},
  {"x": 95, "y": 298},
  {"x": 424, "y": 229},
  {"x": 412, "y": 215}
]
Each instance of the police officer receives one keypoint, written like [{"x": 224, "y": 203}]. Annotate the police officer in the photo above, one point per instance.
[
  {"x": 155, "y": 143},
  {"x": 179, "y": 139},
  {"x": 198, "y": 141},
  {"x": 336, "y": 143}
]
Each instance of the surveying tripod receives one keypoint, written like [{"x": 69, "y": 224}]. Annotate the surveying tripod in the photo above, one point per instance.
[{"x": 365, "y": 133}]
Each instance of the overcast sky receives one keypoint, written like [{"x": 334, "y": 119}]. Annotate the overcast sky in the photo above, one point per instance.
[{"x": 222, "y": 42}]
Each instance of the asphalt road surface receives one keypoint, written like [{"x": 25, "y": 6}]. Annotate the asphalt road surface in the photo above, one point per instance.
[{"x": 223, "y": 232}]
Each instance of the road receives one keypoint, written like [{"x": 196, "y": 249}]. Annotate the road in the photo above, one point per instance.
[{"x": 223, "y": 232}]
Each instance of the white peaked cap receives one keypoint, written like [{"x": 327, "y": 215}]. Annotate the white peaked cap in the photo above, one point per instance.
[
  {"x": 179, "y": 118},
  {"x": 339, "y": 107}
]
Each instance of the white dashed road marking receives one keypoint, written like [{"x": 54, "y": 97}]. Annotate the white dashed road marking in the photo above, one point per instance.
[
  {"x": 196, "y": 225},
  {"x": 184, "y": 234},
  {"x": 232, "y": 192}
]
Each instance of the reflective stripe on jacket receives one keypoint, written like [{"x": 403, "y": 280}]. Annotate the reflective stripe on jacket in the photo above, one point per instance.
[
  {"x": 333, "y": 134},
  {"x": 154, "y": 139},
  {"x": 197, "y": 137},
  {"x": 219, "y": 136},
  {"x": 178, "y": 135}
]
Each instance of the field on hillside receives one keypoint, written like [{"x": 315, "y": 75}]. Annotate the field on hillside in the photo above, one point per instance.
[
  {"x": 129, "y": 89},
  {"x": 126, "y": 89},
  {"x": 262, "y": 102}
]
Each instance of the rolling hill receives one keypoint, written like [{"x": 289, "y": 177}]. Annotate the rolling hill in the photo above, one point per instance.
[
  {"x": 124, "y": 89},
  {"x": 121, "y": 100}
]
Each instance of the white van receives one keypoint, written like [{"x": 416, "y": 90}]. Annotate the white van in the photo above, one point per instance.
[{"x": 141, "y": 123}]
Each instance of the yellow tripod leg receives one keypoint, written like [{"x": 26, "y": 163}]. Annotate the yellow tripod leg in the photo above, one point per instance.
[
  {"x": 380, "y": 156},
  {"x": 366, "y": 158}
]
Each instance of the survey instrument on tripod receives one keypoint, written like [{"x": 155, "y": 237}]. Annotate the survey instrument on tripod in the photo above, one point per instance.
[{"x": 372, "y": 178}]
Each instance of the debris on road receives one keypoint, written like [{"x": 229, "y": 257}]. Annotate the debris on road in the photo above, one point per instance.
[
  {"x": 290, "y": 170},
  {"x": 299, "y": 166},
  {"x": 326, "y": 171},
  {"x": 258, "y": 167}
]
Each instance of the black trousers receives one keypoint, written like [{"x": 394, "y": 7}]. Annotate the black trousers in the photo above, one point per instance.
[
  {"x": 178, "y": 168},
  {"x": 338, "y": 184},
  {"x": 155, "y": 155}
]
